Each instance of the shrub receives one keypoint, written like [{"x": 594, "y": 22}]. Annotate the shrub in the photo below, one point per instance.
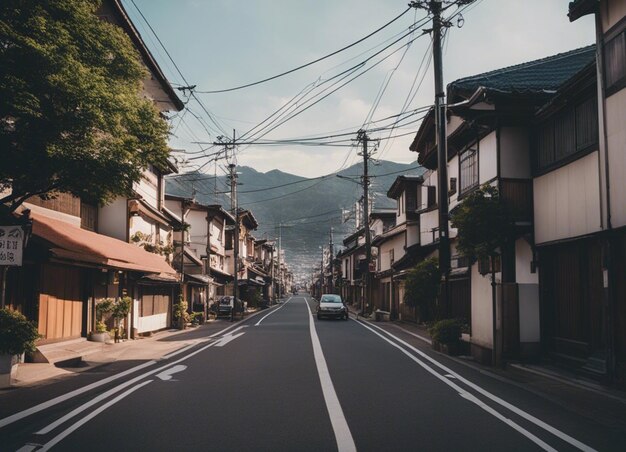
[
  {"x": 17, "y": 334},
  {"x": 180, "y": 310},
  {"x": 447, "y": 331},
  {"x": 101, "y": 327},
  {"x": 422, "y": 288}
]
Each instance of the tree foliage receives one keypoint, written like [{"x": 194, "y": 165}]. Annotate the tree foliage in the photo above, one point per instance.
[
  {"x": 422, "y": 288},
  {"x": 72, "y": 117},
  {"x": 484, "y": 223},
  {"x": 17, "y": 334}
]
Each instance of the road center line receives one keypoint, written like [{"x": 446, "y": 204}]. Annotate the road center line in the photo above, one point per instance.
[
  {"x": 343, "y": 436},
  {"x": 527, "y": 416},
  {"x": 90, "y": 416},
  {"x": 278, "y": 309}
]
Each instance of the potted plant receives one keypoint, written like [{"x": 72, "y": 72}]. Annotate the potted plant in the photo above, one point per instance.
[
  {"x": 101, "y": 334},
  {"x": 181, "y": 316},
  {"x": 446, "y": 336},
  {"x": 119, "y": 312},
  {"x": 17, "y": 336}
]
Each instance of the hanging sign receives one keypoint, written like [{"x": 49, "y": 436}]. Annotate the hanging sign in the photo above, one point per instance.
[{"x": 11, "y": 245}]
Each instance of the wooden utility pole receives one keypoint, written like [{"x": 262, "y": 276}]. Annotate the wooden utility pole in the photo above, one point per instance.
[
  {"x": 365, "y": 305},
  {"x": 235, "y": 209},
  {"x": 332, "y": 258}
]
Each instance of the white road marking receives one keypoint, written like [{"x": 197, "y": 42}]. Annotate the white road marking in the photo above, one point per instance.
[
  {"x": 529, "y": 417},
  {"x": 166, "y": 375},
  {"x": 104, "y": 395},
  {"x": 52, "y": 402},
  {"x": 278, "y": 309},
  {"x": 28, "y": 448},
  {"x": 226, "y": 339},
  {"x": 184, "y": 349},
  {"x": 62, "y": 398},
  {"x": 90, "y": 416},
  {"x": 343, "y": 436}
]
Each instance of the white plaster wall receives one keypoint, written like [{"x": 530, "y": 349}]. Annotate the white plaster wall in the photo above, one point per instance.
[
  {"x": 514, "y": 153},
  {"x": 616, "y": 139},
  {"x": 528, "y": 291},
  {"x": 428, "y": 221},
  {"x": 401, "y": 212},
  {"x": 112, "y": 219},
  {"x": 454, "y": 123},
  {"x": 412, "y": 234},
  {"x": 567, "y": 201},
  {"x": 612, "y": 11},
  {"x": 523, "y": 258},
  {"x": 488, "y": 158},
  {"x": 481, "y": 307},
  {"x": 148, "y": 188},
  {"x": 397, "y": 244},
  {"x": 137, "y": 223},
  {"x": 197, "y": 231},
  {"x": 152, "y": 322}
]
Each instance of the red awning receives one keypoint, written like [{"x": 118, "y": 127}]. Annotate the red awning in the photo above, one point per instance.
[{"x": 73, "y": 243}]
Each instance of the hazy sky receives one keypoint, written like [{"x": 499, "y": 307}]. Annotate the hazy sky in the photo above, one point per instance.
[{"x": 219, "y": 44}]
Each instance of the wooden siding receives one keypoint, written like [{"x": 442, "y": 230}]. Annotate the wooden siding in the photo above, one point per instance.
[
  {"x": 63, "y": 202},
  {"x": 518, "y": 193},
  {"x": 60, "y": 303},
  {"x": 155, "y": 300},
  {"x": 88, "y": 217},
  {"x": 572, "y": 298}
]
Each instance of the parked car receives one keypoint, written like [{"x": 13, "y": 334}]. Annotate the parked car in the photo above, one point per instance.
[
  {"x": 331, "y": 305},
  {"x": 224, "y": 305}
]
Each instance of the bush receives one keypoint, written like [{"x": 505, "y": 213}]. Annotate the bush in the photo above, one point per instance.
[
  {"x": 17, "y": 334},
  {"x": 422, "y": 288},
  {"x": 101, "y": 327},
  {"x": 180, "y": 310},
  {"x": 447, "y": 331}
]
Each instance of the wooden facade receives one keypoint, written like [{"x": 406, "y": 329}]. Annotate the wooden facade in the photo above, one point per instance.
[{"x": 61, "y": 303}]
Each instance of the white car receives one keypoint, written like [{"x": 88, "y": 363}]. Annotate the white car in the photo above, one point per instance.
[{"x": 331, "y": 305}]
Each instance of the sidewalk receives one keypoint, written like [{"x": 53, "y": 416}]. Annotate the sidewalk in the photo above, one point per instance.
[{"x": 71, "y": 357}]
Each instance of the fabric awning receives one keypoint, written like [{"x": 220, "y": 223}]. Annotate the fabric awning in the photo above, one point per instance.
[{"x": 70, "y": 242}]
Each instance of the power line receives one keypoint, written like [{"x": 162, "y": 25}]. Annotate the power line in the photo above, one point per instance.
[{"x": 309, "y": 63}]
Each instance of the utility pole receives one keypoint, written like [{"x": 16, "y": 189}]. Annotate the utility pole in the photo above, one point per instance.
[
  {"x": 235, "y": 209},
  {"x": 362, "y": 136},
  {"x": 435, "y": 8},
  {"x": 332, "y": 258},
  {"x": 209, "y": 219},
  {"x": 280, "y": 275},
  {"x": 322, "y": 273}
]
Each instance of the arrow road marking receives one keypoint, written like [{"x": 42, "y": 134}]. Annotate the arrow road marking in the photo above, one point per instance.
[
  {"x": 226, "y": 339},
  {"x": 166, "y": 375}
]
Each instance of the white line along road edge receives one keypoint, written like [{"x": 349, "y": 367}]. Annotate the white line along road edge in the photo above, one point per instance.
[
  {"x": 538, "y": 422},
  {"x": 343, "y": 436},
  {"x": 267, "y": 315}
]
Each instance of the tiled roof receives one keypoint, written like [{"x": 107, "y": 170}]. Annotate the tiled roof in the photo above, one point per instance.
[{"x": 538, "y": 76}]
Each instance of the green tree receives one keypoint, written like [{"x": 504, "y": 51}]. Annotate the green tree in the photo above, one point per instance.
[
  {"x": 484, "y": 223},
  {"x": 422, "y": 288},
  {"x": 72, "y": 117}
]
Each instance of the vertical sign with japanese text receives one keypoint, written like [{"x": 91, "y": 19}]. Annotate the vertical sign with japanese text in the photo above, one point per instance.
[{"x": 11, "y": 245}]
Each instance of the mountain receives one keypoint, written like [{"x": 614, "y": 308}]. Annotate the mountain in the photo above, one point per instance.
[{"x": 306, "y": 208}]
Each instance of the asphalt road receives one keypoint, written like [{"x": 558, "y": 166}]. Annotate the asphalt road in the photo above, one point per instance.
[{"x": 283, "y": 380}]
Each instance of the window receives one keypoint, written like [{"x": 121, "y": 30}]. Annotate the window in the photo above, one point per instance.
[
  {"x": 615, "y": 63},
  {"x": 391, "y": 260},
  {"x": 469, "y": 170},
  {"x": 572, "y": 131},
  {"x": 411, "y": 200}
]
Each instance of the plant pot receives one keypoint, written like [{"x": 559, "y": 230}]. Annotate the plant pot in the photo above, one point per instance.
[
  {"x": 99, "y": 337},
  {"x": 8, "y": 369}
]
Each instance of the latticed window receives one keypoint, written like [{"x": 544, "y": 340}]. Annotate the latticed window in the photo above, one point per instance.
[{"x": 469, "y": 170}]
